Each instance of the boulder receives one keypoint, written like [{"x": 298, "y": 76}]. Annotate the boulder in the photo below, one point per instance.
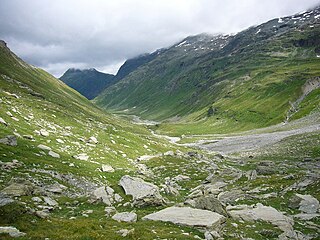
[
  {"x": 125, "y": 217},
  {"x": 53, "y": 154},
  {"x": 210, "y": 203},
  {"x": 109, "y": 211},
  {"x": 305, "y": 203},
  {"x": 2, "y": 121},
  {"x": 12, "y": 231},
  {"x": 10, "y": 140},
  {"x": 143, "y": 193},
  {"x": 106, "y": 195},
  {"x": 92, "y": 140},
  {"x": 188, "y": 217},
  {"x": 44, "y": 147},
  {"x": 107, "y": 168}
]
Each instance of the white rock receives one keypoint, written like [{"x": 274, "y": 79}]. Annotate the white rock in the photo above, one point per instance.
[
  {"x": 81, "y": 156},
  {"x": 125, "y": 232},
  {"x": 92, "y": 140},
  {"x": 2, "y": 121},
  {"x": 44, "y": 133},
  {"x": 53, "y": 154},
  {"x": 12, "y": 231},
  {"x": 50, "y": 201},
  {"x": 125, "y": 217},
  {"x": 36, "y": 199},
  {"x": 187, "y": 216},
  {"x": 59, "y": 140},
  {"x": 107, "y": 168},
  {"x": 44, "y": 147}
]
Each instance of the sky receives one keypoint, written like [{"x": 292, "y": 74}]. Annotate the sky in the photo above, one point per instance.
[{"x": 59, "y": 34}]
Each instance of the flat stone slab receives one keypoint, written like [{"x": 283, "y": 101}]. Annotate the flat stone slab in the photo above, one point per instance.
[{"x": 188, "y": 217}]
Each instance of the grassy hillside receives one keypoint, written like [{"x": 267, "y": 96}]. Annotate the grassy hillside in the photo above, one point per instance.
[{"x": 249, "y": 79}]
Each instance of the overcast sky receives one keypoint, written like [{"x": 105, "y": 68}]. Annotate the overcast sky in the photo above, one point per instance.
[{"x": 59, "y": 34}]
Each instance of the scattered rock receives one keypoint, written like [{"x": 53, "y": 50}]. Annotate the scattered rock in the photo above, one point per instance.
[
  {"x": 106, "y": 195},
  {"x": 10, "y": 140},
  {"x": 125, "y": 232},
  {"x": 251, "y": 175},
  {"x": 188, "y": 216},
  {"x": 230, "y": 197},
  {"x": 12, "y": 231},
  {"x": 10, "y": 165},
  {"x": 109, "y": 211},
  {"x": 53, "y": 154},
  {"x": 266, "y": 168},
  {"x": 29, "y": 137},
  {"x": 181, "y": 178},
  {"x": 50, "y": 201},
  {"x": 125, "y": 217},
  {"x": 143, "y": 193},
  {"x": 305, "y": 203},
  {"x": 4, "y": 199},
  {"x": 44, "y": 147},
  {"x": 81, "y": 156},
  {"x": 18, "y": 187},
  {"x": 2, "y": 121},
  {"x": 36, "y": 199},
  {"x": 44, "y": 133},
  {"x": 92, "y": 140},
  {"x": 107, "y": 168},
  {"x": 42, "y": 213}
]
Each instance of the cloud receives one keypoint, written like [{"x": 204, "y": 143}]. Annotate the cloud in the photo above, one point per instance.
[{"x": 56, "y": 35}]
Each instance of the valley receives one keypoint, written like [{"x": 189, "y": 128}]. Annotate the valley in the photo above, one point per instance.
[{"x": 215, "y": 137}]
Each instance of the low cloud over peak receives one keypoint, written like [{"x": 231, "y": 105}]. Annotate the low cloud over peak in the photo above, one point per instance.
[{"x": 57, "y": 35}]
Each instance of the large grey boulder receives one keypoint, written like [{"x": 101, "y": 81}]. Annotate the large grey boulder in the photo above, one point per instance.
[
  {"x": 10, "y": 140},
  {"x": 210, "y": 203},
  {"x": 143, "y": 193},
  {"x": 81, "y": 156},
  {"x": 188, "y": 217},
  {"x": 125, "y": 217},
  {"x": 264, "y": 213},
  {"x": 305, "y": 203}
]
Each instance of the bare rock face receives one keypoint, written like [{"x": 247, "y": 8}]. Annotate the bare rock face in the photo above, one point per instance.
[
  {"x": 188, "y": 217},
  {"x": 143, "y": 193}
]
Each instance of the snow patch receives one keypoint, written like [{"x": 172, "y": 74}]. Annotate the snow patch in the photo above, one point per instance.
[
  {"x": 280, "y": 20},
  {"x": 259, "y": 30},
  {"x": 181, "y": 44}
]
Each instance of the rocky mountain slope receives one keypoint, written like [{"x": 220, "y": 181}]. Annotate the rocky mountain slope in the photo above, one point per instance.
[
  {"x": 249, "y": 79},
  {"x": 88, "y": 82}
]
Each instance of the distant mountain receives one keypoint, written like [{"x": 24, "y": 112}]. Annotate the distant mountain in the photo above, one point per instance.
[
  {"x": 88, "y": 82},
  {"x": 132, "y": 64},
  {"x": 247, "y": 79}
]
